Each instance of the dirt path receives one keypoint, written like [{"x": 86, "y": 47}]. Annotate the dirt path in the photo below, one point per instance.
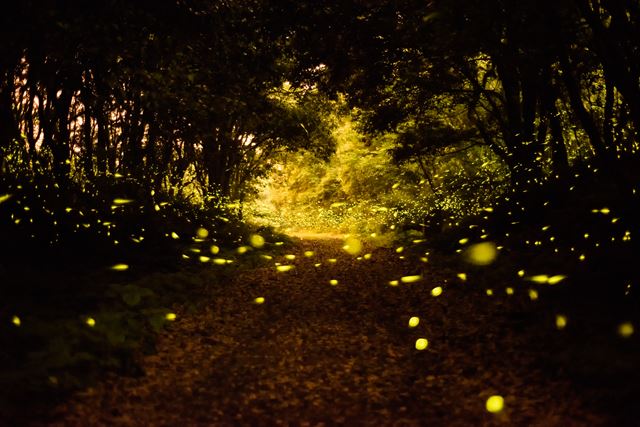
[{"x": 317, "y": 354}]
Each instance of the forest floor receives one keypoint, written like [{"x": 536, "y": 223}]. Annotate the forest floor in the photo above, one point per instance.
[{"x": 314, "y": 353}]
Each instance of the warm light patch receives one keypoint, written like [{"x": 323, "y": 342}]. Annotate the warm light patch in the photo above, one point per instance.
[
  {"x": 625, "y": 330},
  {"x": 16, "y": 321},
  {"x": 309, "y": 254},
  {"x": 284, "y": 268},
  {"x": 495, "y": 404},
  {"x": 214, "y": 249},
  {"x": 259, "y": 300},
  {"x": 174, "y": 235},
  {"x": 333, "y": 282},
  {"x": 481, "y": 253},
  {"x": 170, "y": 317},
  {"x": 462, "y": 276},
  {"x": 90, "y": 321},
  {"x": 120, "y": 267},
  {"x": 414, "y": 321},
  {"x": 437, "y": 291},
  {"x": 421, "y": 343},
  {"x": 561, "y": 321},
  {"x": 5, "y": 197},
  {"x": 257, "y": 241},
  {"x": 533, "y": 294},
  {"x": 202, "y": 233},
  {"x": 290, "y": 257},
  {"x": 352, "y": 245},
  {"x": 410, "y": 279}
]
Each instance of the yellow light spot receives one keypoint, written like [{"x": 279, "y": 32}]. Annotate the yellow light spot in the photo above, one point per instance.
[
  {"x": 533, "y": 294},
  {"x": 204, "y": 258},
  {"x": 214, "y": 249},
  {"x": 318, "y": 264},
  {"x": 243, "y": 249},
  {"x": 122, "y": 201},
  {"x": 290, "y": 257},
  {"x": 332, "y": 260},
  {"x": 90, "y": 321},
  {"x": 309, "y": 254},
  {"x": 437, "y": 291},
  {"x": 259, "y": 300},
  {"x": 421, "y": 343},
  {"x": 219, "y": 261},
  {"x": 120, "y": 267},
  {"x": 489, "y": 292},
  {"x": 521, "y": 273},
  {"x": 396, "y": 185},
  {"x": 625, "y": 330},
  {"x": 582, "y": 257},
  {"x": 509, "y": 291},
  {"x": 605, "y": 211},
  {"x": 5, "y": 197},
  {"x": 462, "y": 276},
  {"x": 393, "y": 283},
  {"x": 463, "y": 241},
  {"x": 267, "y": 257},
  {"x": 561, "y": 321},
  {"x": 256, "y": 240},
  {"x": 554, "y": 280},
  {"x": 410, "y": 279},
  {"x": 352, "y": 246},
  {"x": 156, "y": 208},
  {"x": 413, "y": 322},
  {"x": 16, "y": 320},
  {"x": 174, "y": 235},
  {"x": 284, "y": 268},
  {"x": 495, "y": 404},
  {"x": 367, "y": 256},
  {"x": 539, "y": 278},
  {"x": 333, "y": 282},
  {"x": 337, "y": 205},
  {"x": 202, "y": 233},
  {"x": 481, "y": 253},
  {"x": 170, "y": 317}
]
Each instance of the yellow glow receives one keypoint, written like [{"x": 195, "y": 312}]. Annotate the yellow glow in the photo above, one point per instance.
[
  {"x": 202, "y": 233},
  {"x": 332, "y": 260},
  {"x": 462, "y": 276},
  {"x": 256, "y": 240},
  {"x": 495, "y": 404},
  {"x": 509, "y": 291},
  {"x": 481, "y": 253},
  {"x": 539, "y": 278},
  {"x": 214, "y": 249},
  {"x": 5, "y": 197},
  {"x": 352, "y": 246},
  {"x": 120, "y": 267},
  {"x": 309, "y": 254},
  {"x": 170, "y": 316},
  {"x": 333, "y": 282},
  {"x": 413, "y": 322},
  {"x": 259, "y": 300},
  {"x": 367, "y": 256},
  {"x": 122, "y": 201},
  {"x": 437, "y": 291},
  {"x": 399, "y": 249},
  {"x": 410, "y": 279},
  {"x": 463, "y": 241},
  {"x": 16, "y": 320},
  {"x": 204, "y": 258},
  {"x": 393, "y": 283},
  {"x": 284, "y": 268},
  {"x": 174, "y": 235},
  {"x": 290, "y": 257},
  {"x": 533, "y": 294},
  {"x": 553, "y": 280},
  {"x": 489, "y": 292},
  {"x": 521, "y": 273},
  {"x": 421, "y": 343},
  {"x": 90, "y": 321},
  {"x": 625, "y": 330},
  {"x": 267, "y": 257},
  {"x": 219, "y": 261},
  {"x": 243, "y": 249},
  {"x": 561, "y": 321}
]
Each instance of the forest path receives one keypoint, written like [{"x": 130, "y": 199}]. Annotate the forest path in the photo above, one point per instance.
[{"x": 314, "y": 353}]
